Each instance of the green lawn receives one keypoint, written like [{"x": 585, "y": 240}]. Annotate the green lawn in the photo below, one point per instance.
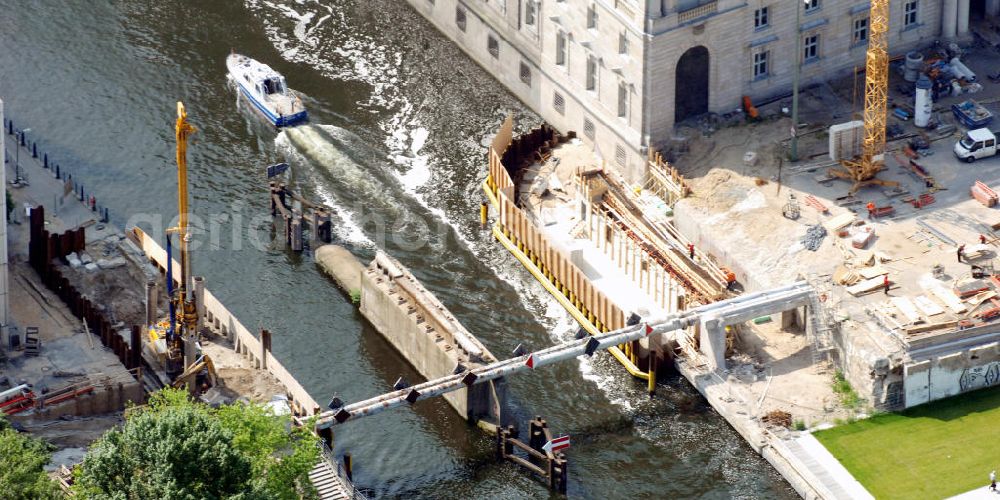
[{"x": 932, "y": 451}]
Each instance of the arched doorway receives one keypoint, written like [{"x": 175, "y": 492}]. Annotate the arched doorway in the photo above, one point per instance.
[{"x": 691, "y": 88}]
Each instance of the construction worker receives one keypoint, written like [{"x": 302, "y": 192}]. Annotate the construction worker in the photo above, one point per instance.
[
  {"x": 885, "y": 284},
  {"x": 961, "y": 252},
  {"x": 871, "y": 210},
  {"x": 691, "y": 250},
  {"x": 730, "y": 279},
  {"x": 982, "y": 239}
]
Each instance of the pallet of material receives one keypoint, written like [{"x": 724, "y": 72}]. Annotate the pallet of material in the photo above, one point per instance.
[
  {"x": 984, "y": 194},
  {"x": 838, "y": 221},
  {"x": 861, "y": 238},
  {"x": 927, "y": 306}
]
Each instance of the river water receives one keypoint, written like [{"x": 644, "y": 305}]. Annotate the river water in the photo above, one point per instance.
[{"x": 399, "y": 119}]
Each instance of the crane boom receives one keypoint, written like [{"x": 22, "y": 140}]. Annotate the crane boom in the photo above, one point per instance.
[
  {"x": 862, "y": 171},
  {"x": 876, "y": 89}
]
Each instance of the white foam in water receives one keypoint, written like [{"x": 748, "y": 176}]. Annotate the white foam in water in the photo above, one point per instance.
[
  {"x": 378, "y": 66},
  {"x": 347, "y": 228}
]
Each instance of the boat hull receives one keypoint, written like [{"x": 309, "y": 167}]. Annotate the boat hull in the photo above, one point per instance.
[
  {"x": 243, "y": 70},
  {"x": 271, "y": 116}
]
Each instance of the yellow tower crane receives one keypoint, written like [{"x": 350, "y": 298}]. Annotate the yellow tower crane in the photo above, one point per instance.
[{"x": 862, "y": 170}]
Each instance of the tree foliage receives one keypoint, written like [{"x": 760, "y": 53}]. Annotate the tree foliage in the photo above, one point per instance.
[
  {"x": 177, "y": 448},
  {"x": 22, "y": 459}
]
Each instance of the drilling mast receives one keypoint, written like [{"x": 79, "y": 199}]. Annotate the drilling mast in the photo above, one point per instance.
[
  {"x": 862, "y": 170},
  {"x": 184, "y": 296}
]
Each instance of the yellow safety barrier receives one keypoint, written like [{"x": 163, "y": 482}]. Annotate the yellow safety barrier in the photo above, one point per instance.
[{"x": 563, "y": 299}]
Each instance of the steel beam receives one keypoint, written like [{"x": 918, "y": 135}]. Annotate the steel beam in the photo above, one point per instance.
[{"x": 737, "y": 309}]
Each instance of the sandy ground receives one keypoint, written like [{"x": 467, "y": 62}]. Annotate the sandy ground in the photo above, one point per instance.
[
  {"x": 236, "y": 376},
  {"x": 776, "y": 368}
]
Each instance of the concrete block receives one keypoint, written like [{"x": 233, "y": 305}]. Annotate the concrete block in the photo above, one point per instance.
[{"x": 916, "y": 383}]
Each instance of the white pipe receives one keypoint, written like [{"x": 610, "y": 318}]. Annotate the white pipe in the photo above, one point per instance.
[
  {"x": 11, "y": 393},
  {"x": 779, "y": 297}
]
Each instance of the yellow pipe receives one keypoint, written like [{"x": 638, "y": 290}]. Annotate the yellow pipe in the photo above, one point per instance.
[
  {"x": 483, "y": 210},
  {"x": 651, "y": 387},
  {"x": 630, "y": 367}
]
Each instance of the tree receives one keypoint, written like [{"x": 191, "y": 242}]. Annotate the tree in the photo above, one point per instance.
[
  {"x": 177, "y": 448},
  {"x": 22, "y": 459}
]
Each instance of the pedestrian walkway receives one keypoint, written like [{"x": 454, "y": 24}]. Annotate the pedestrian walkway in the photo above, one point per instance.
[
  {"x": 982, "y": 493},
  {"x": 827, "y": 469}
]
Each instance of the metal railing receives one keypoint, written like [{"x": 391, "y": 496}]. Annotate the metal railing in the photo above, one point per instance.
[
  {"x": 326, "y": 454},
  {"x": 696, "y": 12}
]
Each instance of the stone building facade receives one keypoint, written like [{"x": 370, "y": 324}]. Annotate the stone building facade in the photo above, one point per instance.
[{"x": 621, "y": 73}]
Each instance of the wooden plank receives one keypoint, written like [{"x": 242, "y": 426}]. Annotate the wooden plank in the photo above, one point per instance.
[
  {"x": 930, "y": 326},
  {"x": 871, "y": 272},
  {"x": 865, "y": 286},
  {"x": 927, "y": 306},
  {"x": 837, "y": 222},
  {"x": 948, "y": 298},
  {"x": 907, "y": 308}
]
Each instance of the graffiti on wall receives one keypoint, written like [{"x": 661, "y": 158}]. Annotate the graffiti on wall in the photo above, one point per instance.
[{"x": 980, "y": 376}]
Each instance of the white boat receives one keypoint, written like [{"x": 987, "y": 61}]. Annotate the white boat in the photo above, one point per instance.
[{"x": 266, "y": 90}]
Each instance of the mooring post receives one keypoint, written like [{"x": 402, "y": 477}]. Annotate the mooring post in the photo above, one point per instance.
[
  {"x": 508, "y": 448},
  {"x": 325, "y": 230},
  {"x": 296, "y": 231},
  {"x": 501, "y": 441},
  {"x": 274, "y": 206},
  {"x": 550, "y": 471},
  {"x": 563, "y": 470},
  {"x": 265, "y": 347}
]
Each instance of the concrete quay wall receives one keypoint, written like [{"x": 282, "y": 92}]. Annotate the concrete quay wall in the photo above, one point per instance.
[
  {"x": 225, "y": 322},
  {"x": 951, "y": 374},
  {"x": 734, "y": 410},
  {"x": 416, "y": 324}
]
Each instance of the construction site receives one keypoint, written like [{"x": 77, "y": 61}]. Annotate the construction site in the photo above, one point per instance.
[{"x": 887, "y": 213}]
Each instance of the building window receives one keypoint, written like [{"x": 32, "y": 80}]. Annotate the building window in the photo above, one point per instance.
[
  {"x": 592, "y": 17},
  {"x": 620, "y": 156},
  {"x": 561, "y": 48},
  {"x": 525, "y": 74},
  {"x": 622, "y": 99},
  {"x": 623, "y": 43},
  {"x": 760, "y": 61},
  {"x": 588, "y": 129},
  {"x": 910, "y": 14},
  {"x": 493, "y": 45},
  {"x": 530, "y": 13},
  {"x": 860, "y": 30},
  {"x": 810, "y": 46},
  {"x": 760, "y": 18},
  {"x": 558, "y": 103},
  {"x": 460, "y": 18},
  {"x": 812, "y": 5},
  {"x": 591, "y": 73}
]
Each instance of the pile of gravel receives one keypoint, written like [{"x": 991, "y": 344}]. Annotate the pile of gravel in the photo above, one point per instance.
[{"x": 814, "y": 237}]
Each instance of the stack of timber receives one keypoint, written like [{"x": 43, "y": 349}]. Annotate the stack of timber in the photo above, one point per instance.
[{"x": 984, "y": 194}]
